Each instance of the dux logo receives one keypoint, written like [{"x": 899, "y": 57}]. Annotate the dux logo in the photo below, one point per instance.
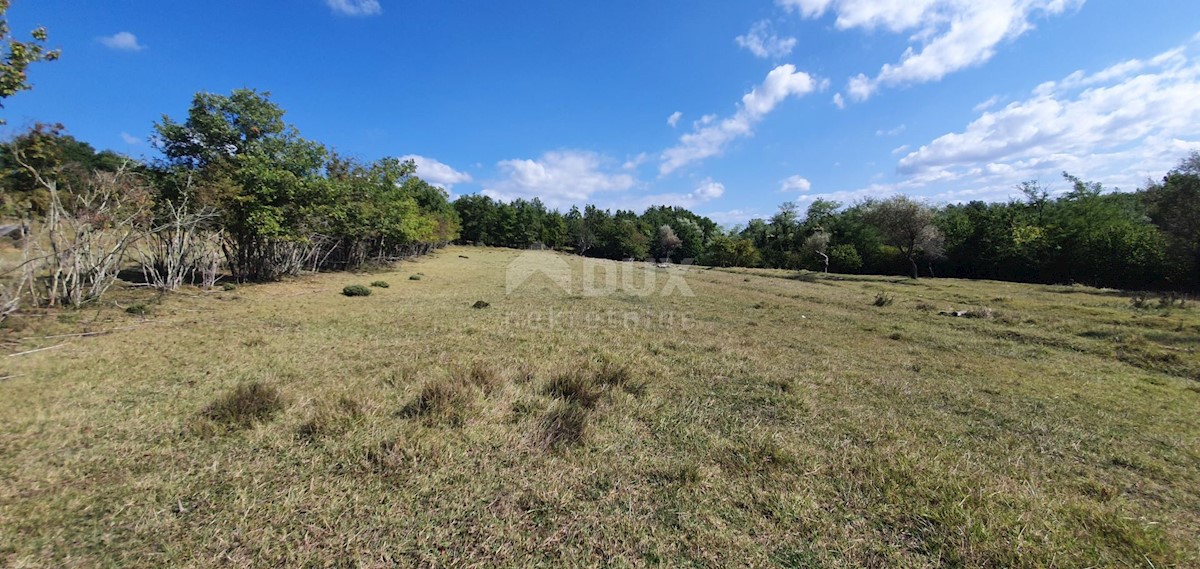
[{"x": 598, "y": 277}]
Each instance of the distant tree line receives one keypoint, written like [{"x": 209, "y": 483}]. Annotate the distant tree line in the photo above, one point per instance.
[{"x": 1148, "y": 239}]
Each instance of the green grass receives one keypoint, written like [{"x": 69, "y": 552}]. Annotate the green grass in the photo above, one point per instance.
[{"x": 765, "y": 421}]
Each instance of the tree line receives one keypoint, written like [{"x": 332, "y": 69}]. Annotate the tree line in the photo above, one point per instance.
[{"x": 1147, "y": 239}]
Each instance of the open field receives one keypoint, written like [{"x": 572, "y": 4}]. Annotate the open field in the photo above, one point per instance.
[{"x": 764, "y": 421}]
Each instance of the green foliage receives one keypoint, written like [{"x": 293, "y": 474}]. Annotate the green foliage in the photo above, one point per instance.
[
  {"x": 728, "y": 251},
  {"x": 138, "y": 309},
  {"x": 228, "y": 287},
  {"x": 356, "y": 290},
  {"x": 18, "y": 55},
  {"x": 844, "y": 259},
  {"x": 380, "y": 284}
]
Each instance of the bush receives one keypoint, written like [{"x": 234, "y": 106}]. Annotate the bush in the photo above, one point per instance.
[
  {"x": 415, "y": 277},
  {"x": 139, "y": 309},
  {"x": 883, "y": 299},
  {"x": 356, "y": 290},
  {"x": 228, "y": 287},
  {"x": 480, "y": 304},
  {"x": 844, "y": 259},
  {"x": 380, "y": 284},
  {"x": 246, "y": 405}
]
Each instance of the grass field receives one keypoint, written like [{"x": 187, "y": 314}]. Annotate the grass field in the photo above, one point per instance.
[{"x": 763, "y": 420}]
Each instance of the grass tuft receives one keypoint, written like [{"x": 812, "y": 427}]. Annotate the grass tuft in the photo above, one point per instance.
[
  {"x": 576, "y": 386},
  {"x": 442, "y": 401},
  {"x": 330, "y": 419},
  {"x": 883, "y": 299},
  {"x": 564, "y": 425},
  {"x": 380, "y": 284},
  {"x": 245, "y": 405}
]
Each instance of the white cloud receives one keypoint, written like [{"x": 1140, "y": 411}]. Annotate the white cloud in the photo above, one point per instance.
[
  {"x": 901, "y": 149},
  {"x": 130, "y": 139},
  {"x": 944, "y": 35},
  {"x": 891, "y": 132},
  {"x": 1118, "y": 126},
  {"x": 122, "y": 41},
  {"x": 633, "y": 163},
  {"x": 437, "y": 173},
  {"x": 674, "y": 118},
  {"x": 985, "y": 105},
  {"x": 708, "y": 140},
  {"x": 795, "y": 184},
  {"x": 732, "y": 217},
  {"x": 763, "y": 42},
  {"x": 839, "y": 101},
  {"x": 560, "y": 178},
  {"x": 707, "y": 190},
  {"x": 355, "y": 7}
]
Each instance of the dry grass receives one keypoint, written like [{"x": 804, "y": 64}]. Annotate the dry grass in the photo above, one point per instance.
[{"x": 557, "y": 428}]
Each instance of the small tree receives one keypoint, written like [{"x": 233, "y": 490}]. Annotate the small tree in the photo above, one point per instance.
[
  {"x": 907, "y": 225},
  {"x": 818, "y": 244},
  {"x": 667, "y": 242}
]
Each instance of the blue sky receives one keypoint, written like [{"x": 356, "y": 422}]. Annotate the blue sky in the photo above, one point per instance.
[{"x": 728, "y": 108}]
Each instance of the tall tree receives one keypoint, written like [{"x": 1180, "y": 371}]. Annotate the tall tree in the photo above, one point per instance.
[{"x": 908, "y": 226}]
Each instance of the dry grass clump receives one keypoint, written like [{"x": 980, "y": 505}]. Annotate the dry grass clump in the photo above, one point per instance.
[
  {"x": 564, "y": 425},
  {"x": 480, "y": 375},
  {"x": 245, "y": 405},
  {"x": 755, "y": 454},
  {"x": 883, "y": 299},
  {"x": 442, "y": 401},
  {"x": 576, "y": 386},
  {"x": 330, "y": 418}
]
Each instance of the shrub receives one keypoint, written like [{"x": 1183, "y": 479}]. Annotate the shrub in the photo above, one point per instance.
[
  {"x": 139, "y": 309},
  {"x": 566, "y": 424},
  {"x": 356, "y": 290},
  {"x": 480, "y": 304},
  {"x": 228, "y": 287},
  {"x": 380, "y": 284},
  {"x": 1139, "y": 302},
  {"x": 246, "y": 405},
  {"x": 844, "y": 259},
  {"x": 883, "y": 299}
]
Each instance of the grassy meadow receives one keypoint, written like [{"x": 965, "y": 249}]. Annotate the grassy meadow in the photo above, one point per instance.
[{"x": 747, "y": 418}]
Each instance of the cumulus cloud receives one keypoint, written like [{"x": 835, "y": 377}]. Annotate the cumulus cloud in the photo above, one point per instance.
[
  {"x": 795, "y": 184},
  {"x": 437, "y": 173},
  {"x": 763, "y": 42},
  {"x": 1127, "y": 122},
  {"x": 944, "y": 35},
  {"x": 839, "y": 101},
  {"x": 122, "y": 41},
  {"x": 560, "y": 178},
  {"x": 709, "y": 138},
  {"x": 674, "y": 118},
  {"x": 707, "y": 190},
  {"x": 355, "y": 7}
]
